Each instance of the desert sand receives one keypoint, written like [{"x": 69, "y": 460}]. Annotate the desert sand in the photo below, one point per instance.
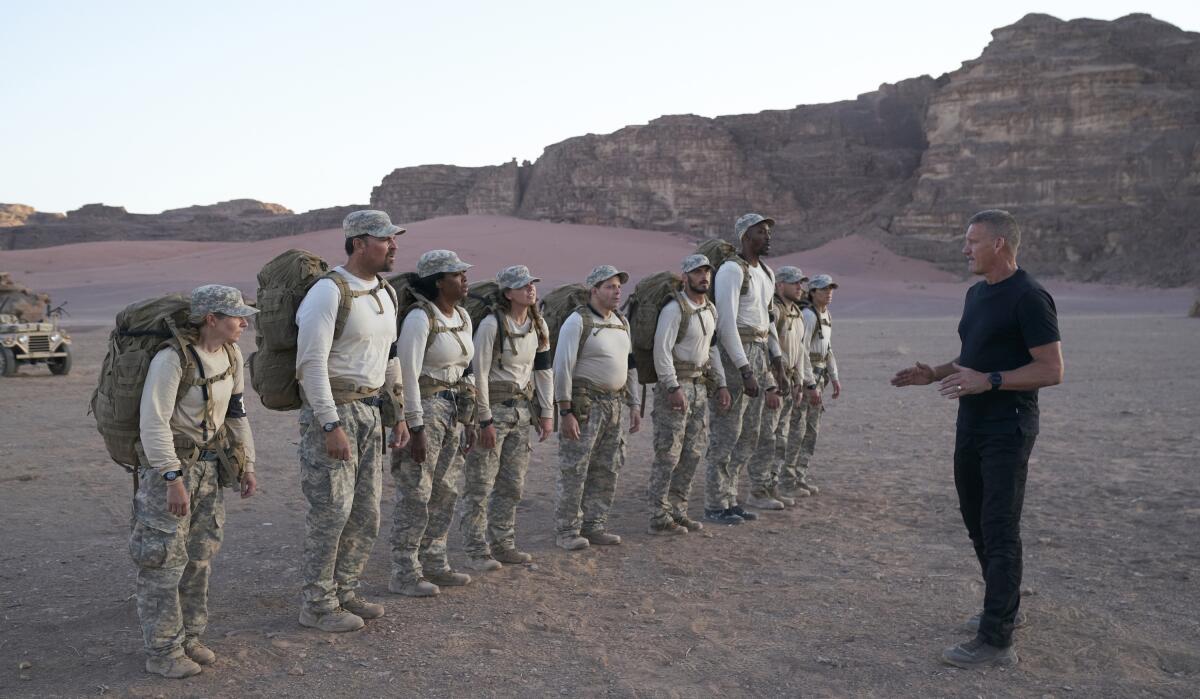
[{"x": 852, "y": 593}]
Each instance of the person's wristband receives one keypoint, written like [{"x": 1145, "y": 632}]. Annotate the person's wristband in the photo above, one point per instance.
[
  {"x": 810, "y": 387},
  {"x": 673, "y": 389},
  {"x": 746, "y": 372},
  {"x": 566, "y": 411},
  {"x": 416, "y": 430},
  {"x": 484, "y": 424}
]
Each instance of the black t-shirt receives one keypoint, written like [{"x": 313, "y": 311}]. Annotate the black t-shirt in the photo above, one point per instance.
[{"x": 1000, "y": 322}]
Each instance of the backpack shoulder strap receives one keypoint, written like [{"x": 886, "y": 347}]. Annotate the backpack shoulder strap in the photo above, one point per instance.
[
  {"x": 345, "y": 299},
  {"x": 586, "y": 330},
  {"x": 685, "y": 316},
  {"x": 391, "y": 291}
]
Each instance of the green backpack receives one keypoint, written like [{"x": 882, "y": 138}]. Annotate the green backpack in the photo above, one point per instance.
[
  {"x": 649, "y": 297},
  {"x": 142, "y": 329},
  {"x": 282, "y": 285}
]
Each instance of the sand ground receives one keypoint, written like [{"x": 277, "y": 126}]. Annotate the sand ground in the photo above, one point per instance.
[{"x": 852, "y": 593}]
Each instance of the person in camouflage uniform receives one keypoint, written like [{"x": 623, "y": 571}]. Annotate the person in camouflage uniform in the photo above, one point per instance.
[
  {"x": 593, "y": 373},
  {"x": 515, "y": 388},
  {"x": 179, "y": 509},
  {"x": 435, "y": 351},
  {"x": 341, "y": 428},
  {"x": 685, "y": 370},
  {"x": 744, "y": 331},
  {"x": 818, "y": 330},
  {"x": 777, "y": 424}
]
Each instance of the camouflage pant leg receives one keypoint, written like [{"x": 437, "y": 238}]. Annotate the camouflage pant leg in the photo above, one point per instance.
[
  {"x": 725, "y": 428},
  {"x": 598, "y": 448},
  {"x": 764, "y": 468},
  {"x": 420, "y": 490},
  {"x": 812, "y": 426},
  {"x": 674, "y": 433},
  {"x": 789, "y": 476},
  {"x": 783, "y": 431},
  {"x": 172, "y": 588},
  {"x": 513, "y": 444},
  {"x": 752, "y": 421},
  {"x": 695, "y": 442},
  {"x": 343, "y": 505},
  {"x": 433, "y": 555}
]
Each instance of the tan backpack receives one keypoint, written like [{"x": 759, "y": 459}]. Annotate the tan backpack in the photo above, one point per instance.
[
  {"x": 718, "y": 253},
  {"x": 650, "y": 296},
  {"x": 142, "y": 330},
  {"x": 282, "y": 284}
]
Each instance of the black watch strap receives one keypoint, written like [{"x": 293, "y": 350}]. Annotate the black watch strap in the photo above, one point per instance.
[{"x": 563, "y": 412}]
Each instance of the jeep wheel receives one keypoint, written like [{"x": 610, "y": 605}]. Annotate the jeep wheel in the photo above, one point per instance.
[
  {"x": 8, "y": 362},
  {"x": 60, "y": 366}
]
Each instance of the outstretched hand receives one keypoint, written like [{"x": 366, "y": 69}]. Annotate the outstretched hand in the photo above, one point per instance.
[{"x": 919, "y": 375}]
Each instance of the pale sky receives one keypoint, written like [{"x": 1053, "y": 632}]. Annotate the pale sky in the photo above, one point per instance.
[{"x": 156, "y": 105}]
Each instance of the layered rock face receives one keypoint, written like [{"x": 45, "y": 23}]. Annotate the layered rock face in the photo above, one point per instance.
[
  {"x": 241, "y": 219},
  {"x": 1086, "y": 130}
]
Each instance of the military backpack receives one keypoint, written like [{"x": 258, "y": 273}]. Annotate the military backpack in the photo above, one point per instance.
[
  {"x": 650, "y": 297},
  {"x": 282, "y": 284}
]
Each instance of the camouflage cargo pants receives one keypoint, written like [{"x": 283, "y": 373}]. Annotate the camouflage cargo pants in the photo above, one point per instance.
[
  {"x": 343, "y": 504},
  {"x": 772, "y": 441},
  {"x": 735, "y": 432},
  {"x": 425, "y": 495},
  {"x": 805, "y": 424},
  {"x": 680, "y": 438},
  {"x": 496, "y": 477},
  {"x": 588, "y": 468},
  {"x": 174, "y": 556}
]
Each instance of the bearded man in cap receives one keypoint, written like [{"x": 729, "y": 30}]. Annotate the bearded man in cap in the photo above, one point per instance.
[
  {"x": 777, "y": 430},
  {"x": 687, "y": 364},
  {"x": 744, "y": 287},
  {"x": 341, "y": 431},
  {"x": 594, "y": 373}
]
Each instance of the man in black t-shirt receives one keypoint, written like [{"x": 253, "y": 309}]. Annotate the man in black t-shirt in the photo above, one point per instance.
[{"x": 1010, "y": 349}]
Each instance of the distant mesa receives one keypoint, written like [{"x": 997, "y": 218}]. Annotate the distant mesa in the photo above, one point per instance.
[{"x": 1085, "y": 129}]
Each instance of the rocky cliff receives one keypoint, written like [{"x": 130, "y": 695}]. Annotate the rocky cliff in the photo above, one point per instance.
[
  {"x": 1088, "y": 131},
  {"x": 241, "y": 219}
]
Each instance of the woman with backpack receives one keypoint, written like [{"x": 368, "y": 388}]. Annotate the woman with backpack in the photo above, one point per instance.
[
  {"x": 194, "y": 436},
  {"x": 515, "y": 387},
  {"x": 435, "y": 352}
]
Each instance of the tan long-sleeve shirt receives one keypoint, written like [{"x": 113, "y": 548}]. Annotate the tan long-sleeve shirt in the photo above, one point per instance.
[
  {"x": 162, "y": 416},
  {"x": 515, "y": 367}
]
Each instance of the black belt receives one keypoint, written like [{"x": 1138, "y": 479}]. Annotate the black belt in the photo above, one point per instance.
[
  {"x": 208, "y": 455},
  {"x": 513, "y": 402}
]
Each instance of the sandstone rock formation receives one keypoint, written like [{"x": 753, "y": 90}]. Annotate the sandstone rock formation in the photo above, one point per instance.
[{"x": 1086, "y": 130}]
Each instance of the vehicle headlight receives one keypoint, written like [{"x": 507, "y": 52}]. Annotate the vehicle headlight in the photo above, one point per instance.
[
  {"x": 54, "y": 338},
  {"x": 23, "y": 339}
]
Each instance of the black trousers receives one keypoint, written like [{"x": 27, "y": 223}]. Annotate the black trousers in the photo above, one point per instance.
[{"x": 989, "y": 474}]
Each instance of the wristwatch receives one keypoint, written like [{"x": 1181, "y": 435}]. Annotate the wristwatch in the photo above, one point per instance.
[
  {"x": 484, "y": 424},
  {"x": 995, "y": 380},
  {"x": 673, "y": 389},
  {"x": 566, "y": 411},
  {"x": 810, "y": 387},
  {"x": 416, "y": 430},
  {"x": 171, "y": 476},
  {"x": 331, "y": 426}
]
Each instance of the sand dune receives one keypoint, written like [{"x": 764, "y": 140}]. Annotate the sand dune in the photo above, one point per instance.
[{"x": 97, "y": 279}]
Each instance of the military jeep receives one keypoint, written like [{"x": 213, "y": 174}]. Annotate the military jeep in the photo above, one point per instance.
[{"x": 29, "y": 331}]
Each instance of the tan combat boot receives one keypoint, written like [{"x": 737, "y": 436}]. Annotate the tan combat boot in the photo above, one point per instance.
[
  {"x": 599, "y": 537},
  {"x": 483, "y": 564},
  {"x": 668, "y": 528},
  {"x": 197, "y": 651},
  {"x": 690, "y": 524},
  {"x": 512, "y": 557},
  {"x": 337, "y": 621},
  {"x": 359, "y": 606},
  {"x": 763, "y": 501},
  {"x": 413, "y": 588},
  {"x": 448, "y": 578},
  {"x": 571, "y": 542},
  {"x": 174, "y": 668}
]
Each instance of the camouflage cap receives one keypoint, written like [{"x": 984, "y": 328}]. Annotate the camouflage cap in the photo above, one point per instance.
[
  {"x": 694, "y": 262},
  {"x": 370, "y": 222},
  {"x": 435, "y": 261},
  {"x": 790, "y": 275},
  {"x": 603, "y": 273},
  {"x": 821, "y": 281},
  {"x": 747, "y": 221},
  {"x": 215, "y": 298},
  {"x": 515, "y": 277}
]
